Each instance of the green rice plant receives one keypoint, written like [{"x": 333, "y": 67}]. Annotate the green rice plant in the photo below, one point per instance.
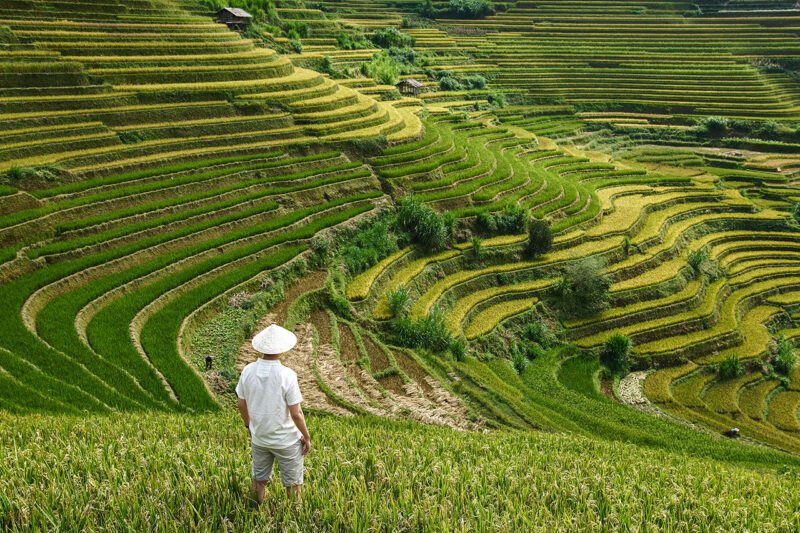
[
  {"x": 398, "y": 302},
  {"x": 107, "y": 337},
  {"x": 753, "y": 399},
  {"x": 175, "y": 462},
  {"x": 782, "y": 411}
]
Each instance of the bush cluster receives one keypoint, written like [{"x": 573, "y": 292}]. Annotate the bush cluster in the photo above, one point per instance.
[
  {"x": 615, "y": 353},
  {"x": 424, "y": 226},
  {"x": 352, "y": 41},
  {"x": 717, "y": 127},
  {"x": 540, "y": 238},
  {"x": 449, "y": 81},
  {"x": 731, "y": 367},
  {"x": 391, "y": 37},
  {"x": 511, "y": 220},
  {"x": 371, "y": 243},
  {"x": 428, "y": 332},
  {"x": 583, "y": 288}
]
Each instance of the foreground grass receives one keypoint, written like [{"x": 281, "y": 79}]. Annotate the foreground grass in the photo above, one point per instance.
[{"x": 169, "y": 472}]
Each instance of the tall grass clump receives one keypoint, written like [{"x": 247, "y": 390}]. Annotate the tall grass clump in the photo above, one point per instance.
[
  {"x": 425, "y": 227},
  {"x": 615, "y": 353}
]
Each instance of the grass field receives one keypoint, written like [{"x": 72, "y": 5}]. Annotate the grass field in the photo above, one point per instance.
[{"x": 167, "y": 471}]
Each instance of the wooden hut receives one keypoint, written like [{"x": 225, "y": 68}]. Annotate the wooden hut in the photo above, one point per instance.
[
  {"x": 236, "y": 18},
  {"x": 409, "y": 86}
]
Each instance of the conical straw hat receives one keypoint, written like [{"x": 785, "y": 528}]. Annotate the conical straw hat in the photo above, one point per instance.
[{"x": 274, "y": 340}]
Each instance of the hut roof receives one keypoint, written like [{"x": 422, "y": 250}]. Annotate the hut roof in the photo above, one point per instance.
[
  {"x": 237, "y": 12},
  {"x": 412, "y": 82}
]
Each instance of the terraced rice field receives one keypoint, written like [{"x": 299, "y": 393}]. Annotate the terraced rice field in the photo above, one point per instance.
[
  {"x": 170, "y": 187},
  {"x": 195, "y": 160}
]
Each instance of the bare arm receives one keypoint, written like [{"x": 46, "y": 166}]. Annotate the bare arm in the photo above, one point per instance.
[
  {"x": 300, "y": 421},
  {"x": 243, "y": 411}
]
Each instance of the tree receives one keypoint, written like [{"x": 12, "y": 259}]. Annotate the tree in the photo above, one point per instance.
[
  {"x": 426, "y": 9},
  {"x": 391, "y": 37},
  {"x": 540, "y": 238},
  {"x": 615, "y": 353},
  {"x": 470, "y": 9},
  {"x": 583, "y": 288}
]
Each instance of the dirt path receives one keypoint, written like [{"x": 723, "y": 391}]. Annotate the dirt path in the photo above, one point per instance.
[{"x": 631, "y": 392}]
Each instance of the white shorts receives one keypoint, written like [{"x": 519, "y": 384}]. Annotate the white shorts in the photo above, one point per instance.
[{"x": 290, "y": 463}]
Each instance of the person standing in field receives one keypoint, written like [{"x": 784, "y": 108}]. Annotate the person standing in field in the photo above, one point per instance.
[{"x": 269, "y": 402}]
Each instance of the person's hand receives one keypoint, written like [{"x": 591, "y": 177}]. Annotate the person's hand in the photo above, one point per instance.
[{"x": 306, "y": 444}]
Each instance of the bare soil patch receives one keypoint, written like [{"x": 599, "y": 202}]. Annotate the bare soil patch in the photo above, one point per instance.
[
  {"x": 310, "y": 282},
  {"x": 393, "y": 383},
  {"x": 348, "y": 349},
  {"x": 408, "y": 365},
  {"x": 322, "y": 323},
  {"x": 377, "y": 357}
]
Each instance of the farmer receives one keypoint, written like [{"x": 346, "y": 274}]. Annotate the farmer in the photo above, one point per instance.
[{"x": 269, "y": 402}]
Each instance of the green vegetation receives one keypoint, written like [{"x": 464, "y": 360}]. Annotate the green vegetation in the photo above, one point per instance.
[
  {"x": 615, "y": 353},
  {"x": 573, "y": 191},
  {"x": 583, "y": 289},
  {"x": 540, "y": 238},
  {"x": 428, "y": 229},
  {"x": 611, "y": 473},
  {"x": 730, "y": 367}
]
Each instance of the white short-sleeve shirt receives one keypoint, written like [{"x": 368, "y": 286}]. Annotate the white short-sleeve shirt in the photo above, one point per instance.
[{"x": 269, "y": 388}]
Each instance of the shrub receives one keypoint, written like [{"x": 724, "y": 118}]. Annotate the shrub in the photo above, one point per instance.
[
  {"x": 47, "y": 174},
  {"x": 426, "y": 9},
  {"x": 730, "y": 367},
  {"x": 497, "y": 99},
  {"x": 398, "y": 301},
  {"x": 470, "y": 9},
  {"x": 391, "y": 37},
  {"x": 541, "y": 334},
  {"x": 425, "y": 227},
  {"x": 382, "y": 68},
  {"x": 511, "y": 220},
  {"x": 428, "y": 332},
  {"x": 370, "y": 243},
  {"x": 476, "y": 250},
  {"x": 583, "y": 288},
  {"x": 696, "y": 260},
  {"x": 615, "y": 352},
  {"x": 352, "y": 41},
  {"x": 296, "y": 45},
  {"x": 715, "y": 126},
  {"x": 458, "y": 349},
  {"x": 796, "y": 212},
  {"x": 540, "y": 238},
  {"x": 450, "y": 83},
  {"x": 627, "y": 245},
  {"x": 785, "y": 358},
  {"x": 519, "y": 361},
  {"x": 474, "y": 81}
]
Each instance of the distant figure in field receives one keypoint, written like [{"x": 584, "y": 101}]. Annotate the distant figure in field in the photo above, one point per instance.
[
  {"x": 269, "y": 402},
  {"x": 209, "y": 362}
]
